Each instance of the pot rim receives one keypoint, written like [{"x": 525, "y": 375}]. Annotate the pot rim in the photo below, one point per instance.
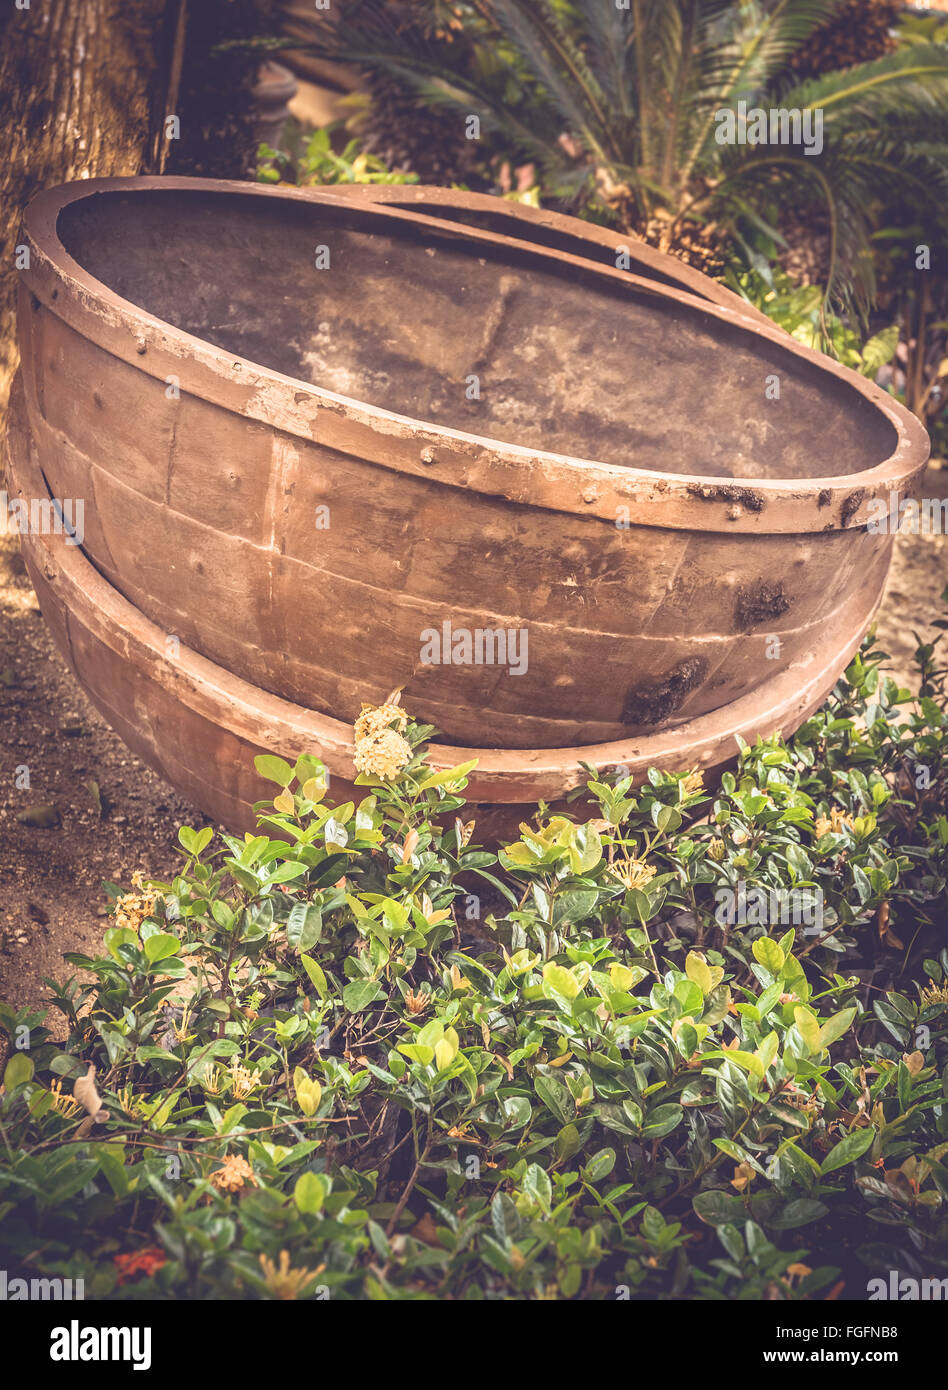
[
  {"x": 551, "y": 481},
  {"x": 428, "y": 195},
  {"x": 501, "y": 777}
]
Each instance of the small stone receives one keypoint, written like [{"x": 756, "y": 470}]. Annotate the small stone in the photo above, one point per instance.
[{"x": 39, "y": 817}]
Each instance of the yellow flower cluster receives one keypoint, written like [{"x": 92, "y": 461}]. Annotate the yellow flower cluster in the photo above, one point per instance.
[
  {"x": 380, "y": 750},
  {"x": 375, "y": 719},
  {"x": 129, "y": 1102},
  {"x": 234, "y": 1175},
  {"x": 282, "y": 1280},
  {"x": 833, "y": 823},
  {"x": 416, "y": 1003},
  {"x": 242, "y": 1079},
  {"x": 212, "y": 1081},
  {"x": 63, "y": 1105},
  {"x": 131, "y": 909},
  {"x": 633, "y": 873}
]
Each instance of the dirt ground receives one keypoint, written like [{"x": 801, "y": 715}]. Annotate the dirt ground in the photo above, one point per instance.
[
  {"x": 110, "y": 815},
  {"x": 97, "y": 813},
  {"x": 916, "y": 582}
]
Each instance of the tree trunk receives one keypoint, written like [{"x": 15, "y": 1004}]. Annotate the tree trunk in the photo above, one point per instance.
[{"x": 84, "y": 89}]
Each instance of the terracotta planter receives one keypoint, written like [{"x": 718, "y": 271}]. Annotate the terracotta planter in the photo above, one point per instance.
[
  {"x": 629, "y": 490},
  {"x": 200, "y": 726}
]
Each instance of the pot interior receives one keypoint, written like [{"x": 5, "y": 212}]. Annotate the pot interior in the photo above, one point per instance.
[{"x": 498, "y": 342}]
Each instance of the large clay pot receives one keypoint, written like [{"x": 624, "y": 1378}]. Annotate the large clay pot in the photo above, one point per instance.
[
  {"x": 201, "y": 726},
  {"x": 311, "y": 430}
]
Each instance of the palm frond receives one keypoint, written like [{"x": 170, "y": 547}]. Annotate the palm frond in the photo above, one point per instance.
[
  {"x": 372, "y": 36},
  {"x": 608, "y": 33},
  {"x": 559, "y": 65},
  {"x": 798, "y": 182},
  {"x": 910, "y": 79},
  {"x": 757, "y": 51},
  {"x": 781, "y": 29},
  {"x": 845, "y": 183},
  {"x": 640, "y": 89}
]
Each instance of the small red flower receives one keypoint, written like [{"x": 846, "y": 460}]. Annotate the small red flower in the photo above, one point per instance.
[{"x": 145, "y": 1261}]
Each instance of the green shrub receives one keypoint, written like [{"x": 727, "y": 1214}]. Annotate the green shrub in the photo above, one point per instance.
[
  {"x": 800, "y": 311},
  {"x": 316, "y": 162},
  {"x": 355, "y": 1056}
]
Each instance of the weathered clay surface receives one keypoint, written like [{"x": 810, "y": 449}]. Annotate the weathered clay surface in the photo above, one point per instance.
[
  {"x": 210, "y": 393},
  {"x": 200, "y": 726}
]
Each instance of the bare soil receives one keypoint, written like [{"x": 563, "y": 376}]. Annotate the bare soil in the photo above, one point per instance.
[
  {"x": 916, "y": 581},
  {"x": 51, "y": 898}
]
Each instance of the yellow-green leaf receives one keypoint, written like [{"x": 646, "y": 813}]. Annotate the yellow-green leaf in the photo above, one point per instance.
[
  {"x": 698, "y": 970},
  {"x": 309, "y": 1193},
  {"x": 447, "y": 775},
  {"x": 748, "y": 1060},
  {"x": 18, "y": 1070},
  {"x": 274, "y": 769},
  {"x": 316, "y": 975},
  {"x": 314, "y": 788},
  {"x": 557, "y": 977},
  {"x": 446, "y": 1049},
  {"x": 769, "y": 954},
  {"x": 768, "y": 1050},
  {"x": 809, "y": 1028},
  {"x": 521, "y": 961},
  {"x": 625, "y": 977},
  {"x": 835, "y": 1027}
]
